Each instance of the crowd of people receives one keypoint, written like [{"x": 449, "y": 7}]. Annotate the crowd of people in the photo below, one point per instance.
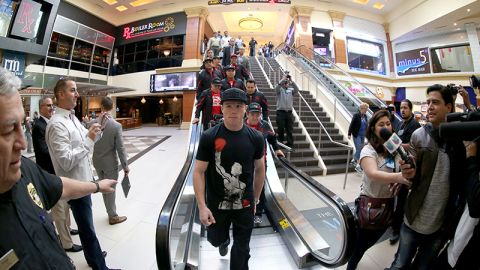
[{"x": 431, "y": 201}]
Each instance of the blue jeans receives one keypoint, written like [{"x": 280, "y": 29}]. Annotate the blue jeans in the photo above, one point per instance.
[
  {"x": 428, "y": 247},
  {"x": 358, "y": 141},
  {"x": 82, "y": 212}
]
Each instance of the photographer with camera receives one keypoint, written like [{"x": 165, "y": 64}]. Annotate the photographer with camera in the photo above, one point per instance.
[
  {"x": 209, "y": 104},
  {"x": 285, "y": 90},
  {"x": 463, "y": 248},
  {"x": 458, "y": 89},
  {"x": 432, "y": 205}
]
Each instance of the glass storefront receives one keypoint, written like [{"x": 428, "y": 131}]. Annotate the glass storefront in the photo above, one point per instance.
[
  {"x": 365, "y": 56},
  {"x": 452, "y": 59},
  {"x": 149, "y": 55},
  {"x": 77, "y": 47}
]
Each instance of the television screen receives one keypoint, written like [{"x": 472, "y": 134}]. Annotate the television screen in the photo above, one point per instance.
[
  {"x": 321, "y": 51},
  {"x": 173, "y": 82}
]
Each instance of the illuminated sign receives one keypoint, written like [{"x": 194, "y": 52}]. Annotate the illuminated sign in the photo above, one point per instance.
[
  {"x": 270, "y": 1},
  {"x": 149, "y": 28},
  {"x": 413, "y": 62},
  {"x": 14, "y": 62},
  {"x": 26, "y": 19}
]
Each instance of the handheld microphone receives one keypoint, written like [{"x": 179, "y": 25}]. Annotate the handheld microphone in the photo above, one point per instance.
[{"x": 393, "y": 143}]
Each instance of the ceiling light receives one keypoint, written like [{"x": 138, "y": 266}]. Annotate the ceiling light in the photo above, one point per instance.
[
  {"x": 141, "y": 2},
  {"x": 362, "y": 2},
  {"x": 166, "y": 53},
  {"x": 175, "y": 99},
  {"x": 468, "y": 10},
  {"x": 454, "y": 24},
  {"x": 143, "y": 100},
  {"x": 250, "y": 23},
  {"x": 161, "y": 101},
  {"x": 378, "y": 5},
  {"x": 121, "y": 8},
  {"x": 110, "y": 2}
]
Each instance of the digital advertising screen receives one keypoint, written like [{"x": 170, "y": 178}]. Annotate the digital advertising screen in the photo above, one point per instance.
[
  {"x": 173, "y": 82},
  {"x": 290, "y": 38}
]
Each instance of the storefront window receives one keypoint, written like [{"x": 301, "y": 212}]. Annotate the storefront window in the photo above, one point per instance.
[
  {"x": 150, "y": 54},
  {"x": 60, "y": 46},
  {"x": 452, "y": 59},
  {"x": 101, "y": 57},
  {"x": 82, "y": 52},
  {"x": 365, "y": 56}
]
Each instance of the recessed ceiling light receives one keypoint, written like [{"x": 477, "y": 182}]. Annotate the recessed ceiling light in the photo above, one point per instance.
[
  {"x": 138, "y": 3},
  {"x": 110, "y": 2},
  {"x": 454, "y": 24},
  {"x": 378, "y": 5},
  {"x": 121, "y": 8},
  {"x": 363, "y": 2},
  {"x": 468, "y": 10}
]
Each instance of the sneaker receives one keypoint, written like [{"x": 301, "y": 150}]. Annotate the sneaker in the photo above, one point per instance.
[
  {"x": 358, "y": 168},
  {"x": 223, "y": 248},
  {"x": 394, "y": 238},
  {"x": 116, "y": 219},
  {"x": 257, "y": 219},
  {"x": 353, "y": 162}
]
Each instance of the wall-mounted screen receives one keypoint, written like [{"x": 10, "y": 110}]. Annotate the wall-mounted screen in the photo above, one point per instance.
[{"x": 173, "y": 82}]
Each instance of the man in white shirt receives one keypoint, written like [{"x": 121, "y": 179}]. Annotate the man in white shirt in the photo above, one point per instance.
[
  {"x": 69, "y": 145},
  {"x": 225, "y": 39}
]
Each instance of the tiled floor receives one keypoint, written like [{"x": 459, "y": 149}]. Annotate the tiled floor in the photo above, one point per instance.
[{"x": 131, "y": 245}]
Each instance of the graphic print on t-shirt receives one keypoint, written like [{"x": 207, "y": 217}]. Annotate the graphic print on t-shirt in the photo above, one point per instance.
[
  {"x": 216, "y": 106},
  {"x": 233, "y": 187}
]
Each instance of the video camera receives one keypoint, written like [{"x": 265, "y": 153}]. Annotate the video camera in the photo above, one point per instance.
[
  {"x": 475, "y": 81},
  {"x": 461, "y": 126}
]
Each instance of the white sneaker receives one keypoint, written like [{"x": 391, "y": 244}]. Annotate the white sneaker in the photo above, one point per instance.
[
  {"x": 358, "y": 168},
  {"x": 257, "y": 219}
]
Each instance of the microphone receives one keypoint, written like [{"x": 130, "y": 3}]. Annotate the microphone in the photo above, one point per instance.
[{"x": 393, "y": 143}]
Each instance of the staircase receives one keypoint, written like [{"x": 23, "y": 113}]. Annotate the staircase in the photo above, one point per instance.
[
  {"x": 333, "y": 156},
  {"x": 303, "y": 156}
]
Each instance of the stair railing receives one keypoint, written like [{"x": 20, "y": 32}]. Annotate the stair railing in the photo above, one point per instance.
[
  {"x": 322, "y": 127},
  {"x": 269, "y": 69}
]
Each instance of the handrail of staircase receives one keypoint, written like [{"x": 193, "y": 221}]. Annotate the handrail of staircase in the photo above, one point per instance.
[
  {"x": 270, "y": 68},
  {"x": 378, "y": 102},
  {"x": 349, "y": 148},
  {"x": 331, "y": 94}
]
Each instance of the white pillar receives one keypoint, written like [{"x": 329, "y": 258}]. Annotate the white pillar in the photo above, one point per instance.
[{"x": 474, "y": 45}]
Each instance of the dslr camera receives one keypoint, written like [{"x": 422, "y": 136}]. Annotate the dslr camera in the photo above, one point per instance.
[
  {"x": 461, "y": 126},
  {"x": 453, "y": 88}
]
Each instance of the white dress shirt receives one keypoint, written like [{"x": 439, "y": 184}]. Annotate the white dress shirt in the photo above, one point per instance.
[{"x": 69, "y": 146}]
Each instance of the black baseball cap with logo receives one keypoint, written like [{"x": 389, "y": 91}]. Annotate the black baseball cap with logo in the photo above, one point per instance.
[
  {"x": 207, "y": 59},
  {"x": 234, "y": 94},
  {"x": 254, "y": 107},
  {"x": 217, "y": 81},
  {"x": 230, "y": 67}
]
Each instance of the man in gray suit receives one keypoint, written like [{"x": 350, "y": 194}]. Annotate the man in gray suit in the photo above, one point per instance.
[{"x": 105, "y": 158}]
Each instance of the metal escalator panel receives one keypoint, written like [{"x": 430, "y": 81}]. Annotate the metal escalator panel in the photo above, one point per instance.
[
  {"x": 175, "y": 226},
  {"x": 322, "y": 220}
]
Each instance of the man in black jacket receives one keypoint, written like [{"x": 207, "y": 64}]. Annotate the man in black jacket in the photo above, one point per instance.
[
  {"x": 358, "y": 128},
  {"x": 254, "y": 95},
  {"x": 205, "y": 76},
  {"x": 209, "y": 104},
  {"x": 240, "y": 71},
  {"x": 230, "y": 81}
]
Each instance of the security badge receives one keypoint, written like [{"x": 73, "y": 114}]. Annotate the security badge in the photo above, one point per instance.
[
  {"x": 8, "y": 260},
  {"x": 34, "y": 195}
]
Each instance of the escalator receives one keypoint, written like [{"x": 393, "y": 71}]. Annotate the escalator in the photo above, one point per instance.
[
  {"x": 305, "y": 220},
  {"x": 349, "y": 92}
]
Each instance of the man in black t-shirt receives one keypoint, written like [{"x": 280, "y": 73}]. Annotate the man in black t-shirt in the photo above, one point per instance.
[
  {"x": 27, "y": 235},
  {"x": 230, "y": 166}
]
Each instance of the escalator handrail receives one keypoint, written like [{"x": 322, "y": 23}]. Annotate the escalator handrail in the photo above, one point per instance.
[
  {"x": 342, "y": 207},
  {"x": 339, "y": 69},
  {"x": 165, "y": 219}
]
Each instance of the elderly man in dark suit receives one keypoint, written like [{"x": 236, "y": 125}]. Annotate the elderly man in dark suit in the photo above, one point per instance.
[
  {"x": 228, "y": 51},
  {"x": 61, "y": 211},
  {"x": 106, "y": 152}
]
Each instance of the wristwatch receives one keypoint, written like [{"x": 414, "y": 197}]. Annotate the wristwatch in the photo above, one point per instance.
[{"x": 98, "y": 187}]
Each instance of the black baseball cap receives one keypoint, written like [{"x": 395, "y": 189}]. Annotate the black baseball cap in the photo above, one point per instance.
[
  {"x": 254, "y": 107},
  {"x": 230, "y": 67},
  {"x": 217, "y": 81},
  {"x": 207, "y": 59},
  {"x": 234, "y": 94}
]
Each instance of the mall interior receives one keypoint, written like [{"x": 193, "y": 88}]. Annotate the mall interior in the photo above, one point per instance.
[{"x": 146, "y": 55}]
